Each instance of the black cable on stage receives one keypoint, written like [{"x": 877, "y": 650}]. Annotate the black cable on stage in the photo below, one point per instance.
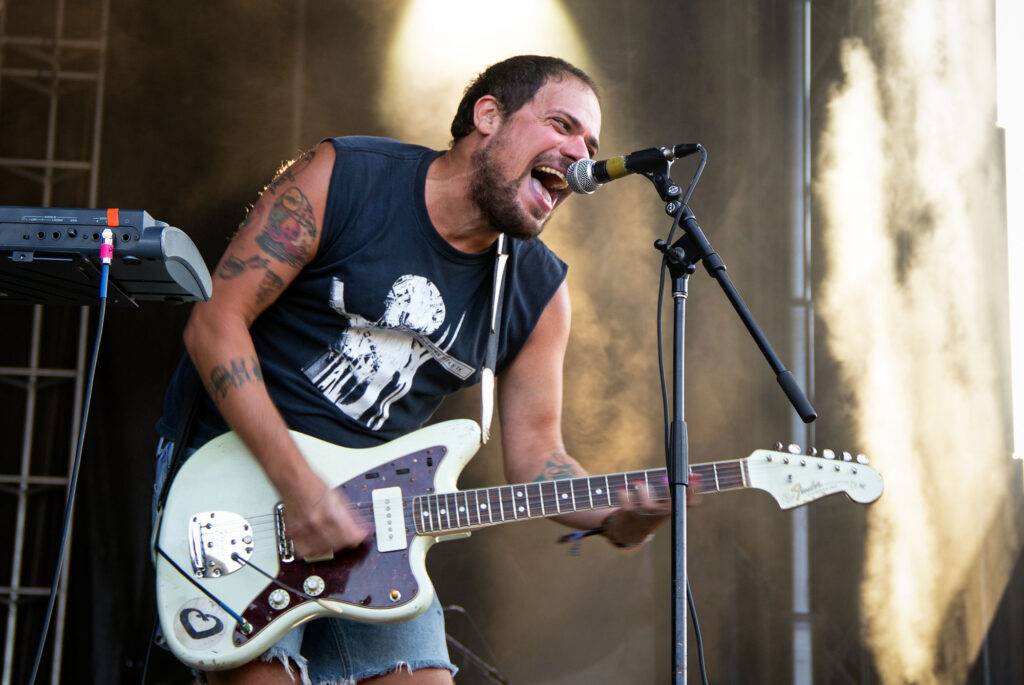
[
  {"x": 492, "y": 673},
  {"x": 106, "y": 252},
  {"x": 696, "y": 634}
]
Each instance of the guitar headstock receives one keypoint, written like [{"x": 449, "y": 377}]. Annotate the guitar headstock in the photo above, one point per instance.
[{"x": 795, "y": 478}]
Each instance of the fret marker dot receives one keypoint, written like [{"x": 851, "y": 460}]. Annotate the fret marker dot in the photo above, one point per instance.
[
  {"x": 444, "y": 513},
  {"x": 598, "y": 491},
  {"x": 483, "y": 506},
  {"x": 462, "y": 508},
  {"x": 521, "y": 509},
  {"x": 426, "y": 514},
  {"x": 564, "y": 496},
  {"x": 519, "y": 494}
]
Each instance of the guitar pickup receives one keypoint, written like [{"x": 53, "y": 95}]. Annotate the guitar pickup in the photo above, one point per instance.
[{"x": 389, "y": 519}]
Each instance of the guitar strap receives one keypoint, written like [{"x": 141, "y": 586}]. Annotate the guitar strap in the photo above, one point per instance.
[{"x": 491, "y": 359}]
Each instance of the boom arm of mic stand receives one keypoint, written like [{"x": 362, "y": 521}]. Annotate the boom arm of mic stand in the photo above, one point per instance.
[{"x": 694, "y": 245}]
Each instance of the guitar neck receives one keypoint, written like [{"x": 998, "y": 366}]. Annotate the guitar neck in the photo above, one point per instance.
[{"x": 462, "y": 510}]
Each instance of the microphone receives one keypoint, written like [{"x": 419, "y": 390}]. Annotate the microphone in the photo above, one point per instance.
[{"x": 586, "y": 175}]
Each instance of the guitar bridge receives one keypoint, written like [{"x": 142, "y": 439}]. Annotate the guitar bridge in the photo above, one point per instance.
[
  {"x": 285, "y": 548},
  {"x": 219, "y": 543}
]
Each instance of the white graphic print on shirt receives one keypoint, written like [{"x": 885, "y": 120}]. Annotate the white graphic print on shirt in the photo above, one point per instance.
[{"x": 373, "y": 364}]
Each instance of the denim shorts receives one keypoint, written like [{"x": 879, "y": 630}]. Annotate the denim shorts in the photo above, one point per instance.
[{"x": 336, "y": 650}]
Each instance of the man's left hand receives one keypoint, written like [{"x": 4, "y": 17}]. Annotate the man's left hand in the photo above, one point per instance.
[{"x": 640, "y": 514}]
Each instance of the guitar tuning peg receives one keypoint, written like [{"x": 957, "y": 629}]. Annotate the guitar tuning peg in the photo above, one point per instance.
[
  {"x": 828, "y": 454},
  {"x": 812, "y": 451},
  {"x": 862, "y": 459},
  {"x": 794, "y": 448},
  {"x": 778, "y": 446},
  {"x": 847, "y": 456}
]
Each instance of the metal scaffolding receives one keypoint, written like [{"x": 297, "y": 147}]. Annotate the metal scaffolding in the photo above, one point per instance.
[{"x": 52, "y": 69}]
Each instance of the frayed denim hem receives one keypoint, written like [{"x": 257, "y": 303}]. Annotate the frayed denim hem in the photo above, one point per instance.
[
  {"x": 409, "y": 666},
  {"x": 287, "y": 660}
]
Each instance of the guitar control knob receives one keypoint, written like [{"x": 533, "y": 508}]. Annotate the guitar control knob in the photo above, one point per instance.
[
  {"x": 314, "y": 585},
  {"x": 278, "y": 599}
]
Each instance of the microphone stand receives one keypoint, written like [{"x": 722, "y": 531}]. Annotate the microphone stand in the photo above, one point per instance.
[{"x": 681, "y": 258}]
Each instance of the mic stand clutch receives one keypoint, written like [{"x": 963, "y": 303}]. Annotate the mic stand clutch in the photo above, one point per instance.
[{"x": 681, "y": 258}]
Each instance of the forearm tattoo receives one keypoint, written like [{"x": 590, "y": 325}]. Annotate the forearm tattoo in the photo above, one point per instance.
[
  {"x": 558, "y": 468},
  {"x": 233, "y": 375}
]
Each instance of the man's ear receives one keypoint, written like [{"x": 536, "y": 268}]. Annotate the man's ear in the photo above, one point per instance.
[{"x": 486, "y": 115}]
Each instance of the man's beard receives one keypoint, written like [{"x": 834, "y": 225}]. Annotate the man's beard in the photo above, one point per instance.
[{"x": 498, "y": 199}]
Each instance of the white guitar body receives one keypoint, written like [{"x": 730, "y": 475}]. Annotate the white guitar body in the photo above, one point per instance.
[{"x": 224, "y": 477}]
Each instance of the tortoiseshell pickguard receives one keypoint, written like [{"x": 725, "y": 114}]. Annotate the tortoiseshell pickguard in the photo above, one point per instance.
[{"x": 361, "y": 577}]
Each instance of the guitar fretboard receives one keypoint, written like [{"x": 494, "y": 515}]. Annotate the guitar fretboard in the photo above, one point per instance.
[{"x": 468, "y": 509}]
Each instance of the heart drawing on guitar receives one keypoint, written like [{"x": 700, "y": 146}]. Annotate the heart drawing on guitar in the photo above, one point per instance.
[{"x": 199, "y": 625}]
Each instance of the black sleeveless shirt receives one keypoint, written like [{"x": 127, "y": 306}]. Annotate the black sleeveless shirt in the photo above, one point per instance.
[{"x": 388, "y": 318}]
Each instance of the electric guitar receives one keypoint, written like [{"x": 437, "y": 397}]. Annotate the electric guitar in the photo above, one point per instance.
[{"x": 229, "y": 584}]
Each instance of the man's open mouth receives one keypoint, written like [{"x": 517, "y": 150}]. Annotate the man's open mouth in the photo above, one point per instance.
[{"x": 550, "y": 178}]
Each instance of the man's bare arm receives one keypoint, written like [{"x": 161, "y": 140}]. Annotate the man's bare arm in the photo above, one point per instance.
[
  {"x": 279, "y": 237},
  {"x": 530, "y": 407}
]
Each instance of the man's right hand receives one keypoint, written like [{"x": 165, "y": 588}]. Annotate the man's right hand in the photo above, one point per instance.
[{"x": 322, "y": 522}]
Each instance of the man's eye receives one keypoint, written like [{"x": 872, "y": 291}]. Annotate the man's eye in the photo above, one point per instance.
[{"x": 562, "y": 124}]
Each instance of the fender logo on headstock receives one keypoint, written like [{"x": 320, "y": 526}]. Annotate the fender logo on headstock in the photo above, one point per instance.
[{"x": 805, "y": 490}]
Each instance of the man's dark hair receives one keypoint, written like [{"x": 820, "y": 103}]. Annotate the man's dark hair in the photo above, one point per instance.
[{"x": 513, "y": 83}]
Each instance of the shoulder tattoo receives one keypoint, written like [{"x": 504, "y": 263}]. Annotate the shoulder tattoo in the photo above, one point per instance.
[{"x": 290, "y": 229}]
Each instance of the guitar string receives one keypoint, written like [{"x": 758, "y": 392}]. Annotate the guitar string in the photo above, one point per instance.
[{"x": 537, "y": 499}]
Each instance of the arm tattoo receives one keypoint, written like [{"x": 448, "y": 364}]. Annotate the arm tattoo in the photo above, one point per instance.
[
  {"x": 224, "y": 379},
  {"x": 559, "y": 470},
  {"x": 290, "y": 229},
  {"x": 269, "y": 286},
  {"x": 233, "y": 266}
]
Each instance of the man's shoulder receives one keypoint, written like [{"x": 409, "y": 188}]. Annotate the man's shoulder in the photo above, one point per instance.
[
  {"x": 372, "y": 145},
  {"x": 535, "y": 252}
]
